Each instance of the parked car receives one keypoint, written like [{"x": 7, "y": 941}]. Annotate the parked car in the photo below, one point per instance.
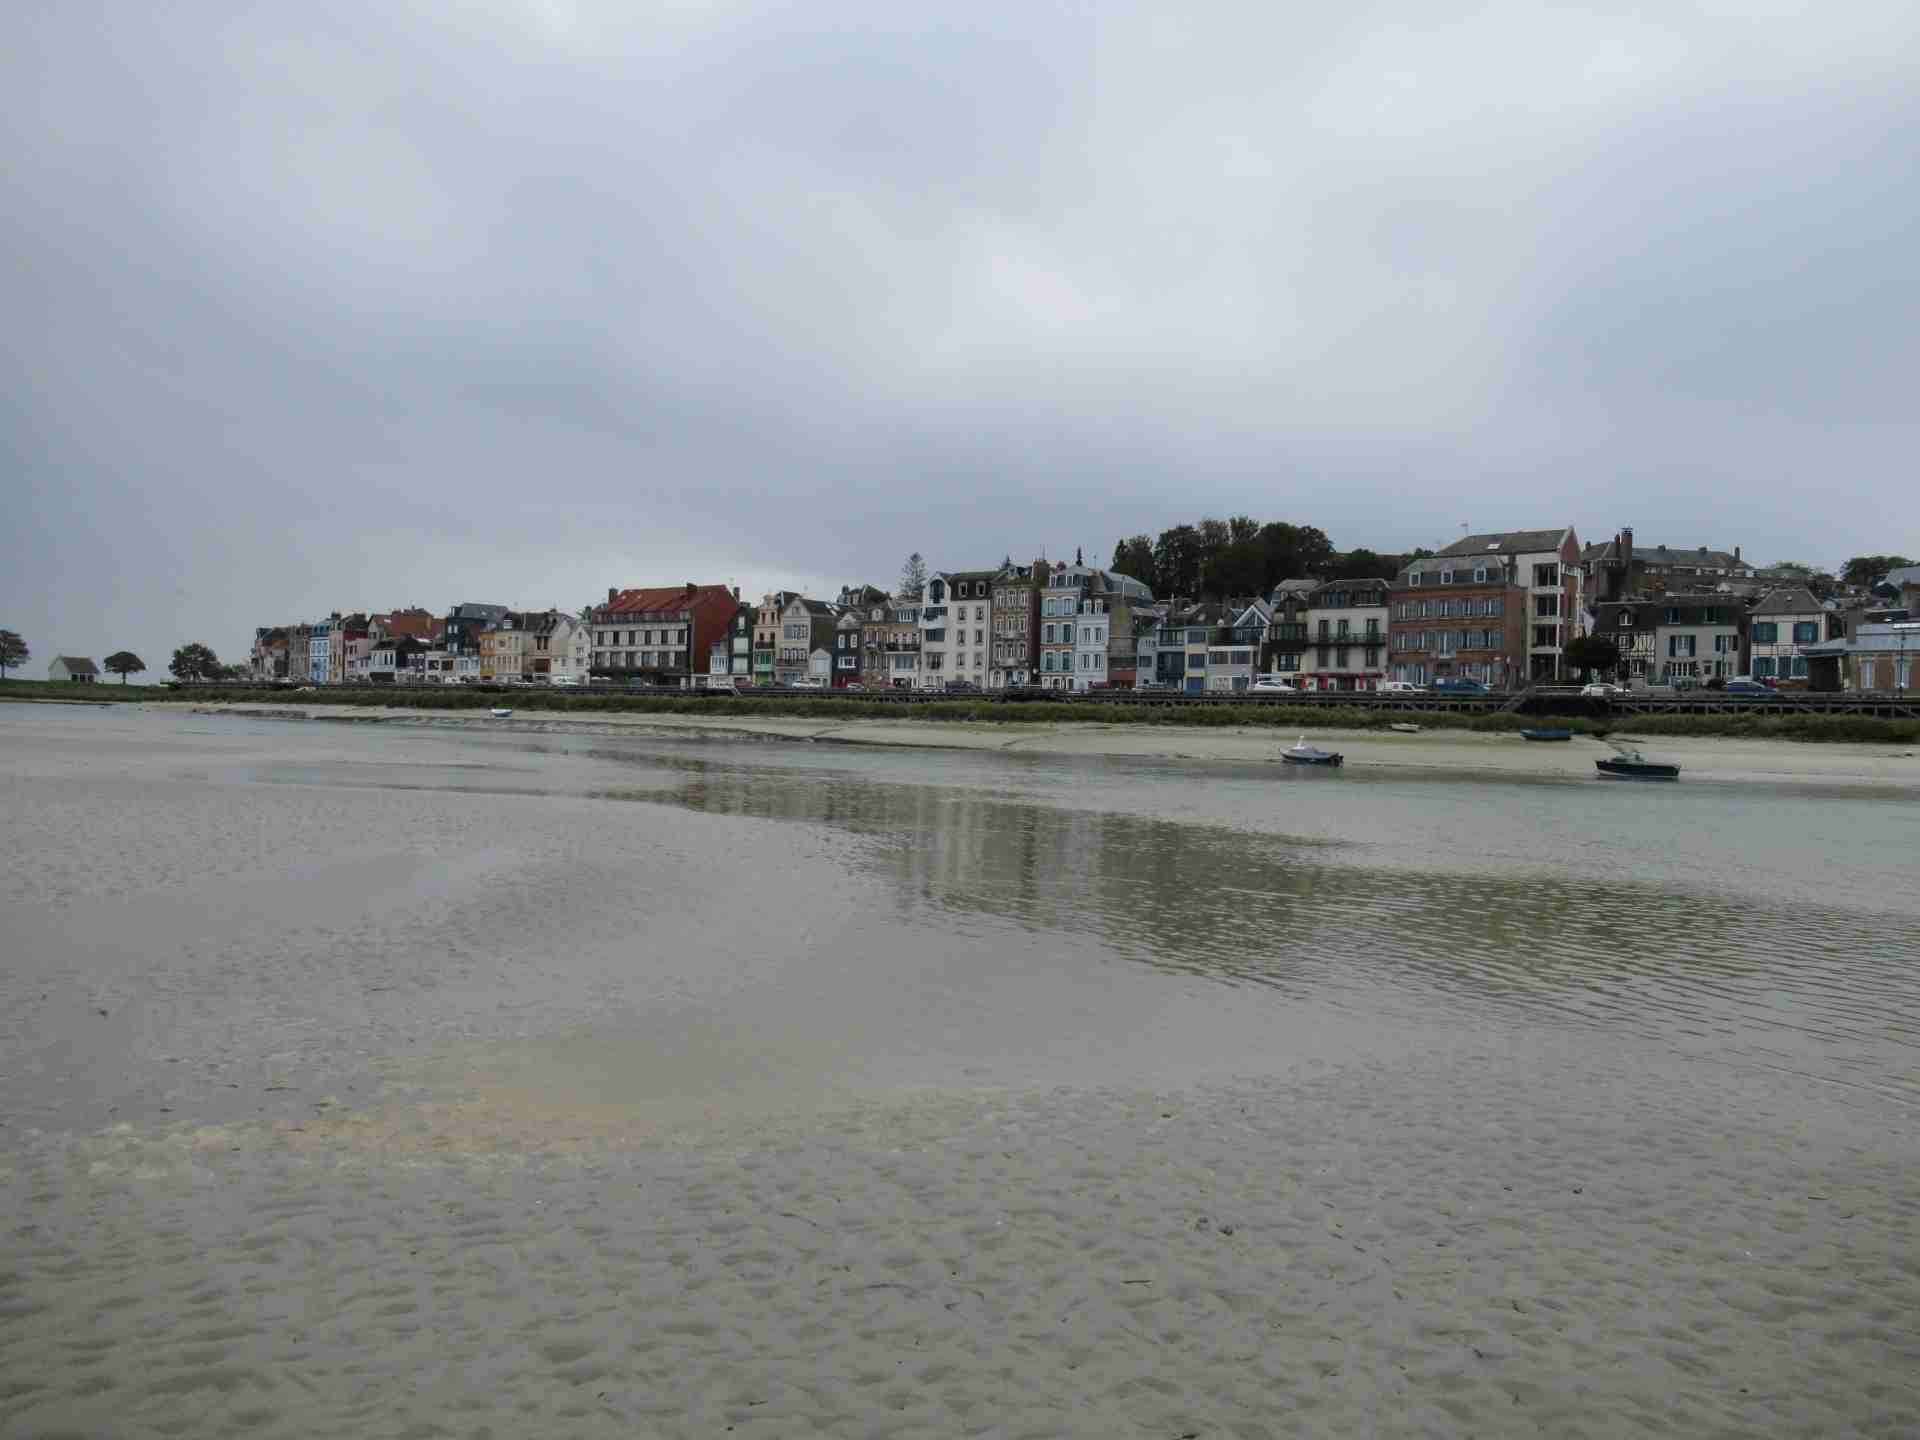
[
  {"x": 805, "y": 685},
  {"x": 1601, "y": 689},
  {"x": 1274, "y": 685},
  {"x": 1452, "y": 685},
  {"x": 564, "y": 680},
  {"x": 961, "y": 685},
  {"x": 1746, "y": 687},
  {"x": 1401, "y": 687}
]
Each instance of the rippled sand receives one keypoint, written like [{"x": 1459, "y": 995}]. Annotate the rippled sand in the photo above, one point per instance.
[
  {"x": 359, "y": 1083},
  {"x": 1385, "y": 1249}
]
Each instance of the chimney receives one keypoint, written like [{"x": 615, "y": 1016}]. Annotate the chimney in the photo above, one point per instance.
[
  {"x": 691, "y": 587},
  {"x": 612, "y": 594},
  {"x": 1736, "y": 554},
  {"x": 736, "y": 594}
]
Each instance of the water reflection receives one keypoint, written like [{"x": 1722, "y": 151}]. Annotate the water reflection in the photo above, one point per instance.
[{"x": 1658, "y": 956}]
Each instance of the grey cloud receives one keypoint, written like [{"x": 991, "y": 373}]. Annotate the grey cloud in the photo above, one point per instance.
[{"x": 393, "y": 305}]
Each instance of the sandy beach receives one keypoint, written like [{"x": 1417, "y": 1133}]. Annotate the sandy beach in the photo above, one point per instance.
[
  {"x": 1701, "y": 758},
  {"x": 483, "y": 1081}
]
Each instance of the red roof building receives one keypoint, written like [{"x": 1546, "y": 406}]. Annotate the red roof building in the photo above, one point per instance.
[{"x": 658, "y": 634}]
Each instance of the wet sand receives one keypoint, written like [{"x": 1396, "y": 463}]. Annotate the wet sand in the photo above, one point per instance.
[
  {"x": 1709, "y": 758},
  {"x": 394, "y": 1082}
]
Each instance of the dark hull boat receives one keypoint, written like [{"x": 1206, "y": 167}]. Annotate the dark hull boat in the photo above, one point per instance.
[
  {"x": 1634, "y": 766},
  {"x": 1546, "y": 734},
  {"x": 1301, "y": 753}
]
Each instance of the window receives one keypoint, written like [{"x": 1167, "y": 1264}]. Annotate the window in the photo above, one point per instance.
[
  {"x": 1046, "y": 634},
  {"x": 1680, "y": 647},
  {"x": 1725, "y": 644},
  {"x": 1546, "y": 606},
  {"x": 1545, "y": 576},
  {"x": 1480, "y": 574},
  {"x": 1626, "y": 619},
  {"x": 1413, "y": 577},
  {"x": 1806, "y": 632},
  {"x": 1446, "y": 577},
  {"x": 1765, "y": 632},
  {"x": 1546, "y": 635}
]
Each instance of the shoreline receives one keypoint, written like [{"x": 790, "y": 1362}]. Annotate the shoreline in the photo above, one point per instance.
[{"x": 1893, "y": 766}]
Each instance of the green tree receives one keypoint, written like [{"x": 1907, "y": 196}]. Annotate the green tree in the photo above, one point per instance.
[
  {"x": 13, "y": 651},
  {"x": 1176, "y": 562},
  {"x": 124, "y": 663},
  {"x": 194, "y": 662},
  {"x": 1867, "y": 569},
  {"x": 1134, "y": 557},
  {"x": 913, "y": 579},
  {"x": 1593, "y": 652}
]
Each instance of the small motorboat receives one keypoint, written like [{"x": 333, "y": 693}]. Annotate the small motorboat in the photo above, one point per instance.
[
  {"x": 1301, "y": 753},
  {"x": 500, "y": 712},
  {"x": 1405, "y": 727},
  {"x": 1546, "y": 733},
  {"x": 1632, "y": 765}
]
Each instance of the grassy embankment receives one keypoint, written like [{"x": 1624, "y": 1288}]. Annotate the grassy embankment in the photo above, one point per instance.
[
  {"x": 1274, "y": 714},
  {"x": 101, "y": 691}
]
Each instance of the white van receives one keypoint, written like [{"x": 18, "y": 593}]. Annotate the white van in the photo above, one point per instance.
[
  {"x": 565, "y": 680},
  {"x": 1400, "y": 687}
]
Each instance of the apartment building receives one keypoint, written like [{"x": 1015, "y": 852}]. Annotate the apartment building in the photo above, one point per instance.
[
  {"x": 805, "y": 645},
  {"x": 766, "y": 633},
  {"x": 1060, "y": 601},
  {"x": 954, "y": 648},
  {"x": 1546, "y": 565},
  {"x": 1014, "y": 624},
  {"x": 652, "y": 634},
  {"x": 1459, "y": 618},
  {"x": 1347, "y": 624}
]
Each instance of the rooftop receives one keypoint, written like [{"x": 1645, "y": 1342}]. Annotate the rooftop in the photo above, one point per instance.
[
  {"x": 1506, "y": 542},
  {"x": 1789, "y": 600}
]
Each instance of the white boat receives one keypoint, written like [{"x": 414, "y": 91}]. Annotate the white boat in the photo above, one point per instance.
[
  {"x": 500, "y": 712},
  {"x": 1301, "y": 753}
]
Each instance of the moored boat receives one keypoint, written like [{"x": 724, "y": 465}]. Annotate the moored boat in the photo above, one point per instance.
[
  {"x": 500, "y": 712},
  {"x": 1632, "y": 765},
  {"x": 1301, "y": 753},
  {"x": 1405, "y": 727},
  {"x": 1546, "y": 732}
]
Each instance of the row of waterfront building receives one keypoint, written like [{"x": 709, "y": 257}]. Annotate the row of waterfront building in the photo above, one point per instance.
[{"x": 1501, "y": 609}]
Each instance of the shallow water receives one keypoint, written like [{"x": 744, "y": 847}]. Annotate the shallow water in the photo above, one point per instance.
[{"x": 265, "y": 980}]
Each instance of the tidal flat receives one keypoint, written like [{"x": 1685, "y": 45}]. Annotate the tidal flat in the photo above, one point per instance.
[{"x": 401, "y": 1080}]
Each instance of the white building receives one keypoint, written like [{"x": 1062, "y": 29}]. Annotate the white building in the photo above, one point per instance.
[
  {"x": 1092, "y": 636},
  {"x": 1347, "y": 635},
  {"x": 1784, "y": 624},
  {"x": 954, "y": 641}
]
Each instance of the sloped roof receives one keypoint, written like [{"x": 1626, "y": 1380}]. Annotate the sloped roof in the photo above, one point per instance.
[
  {"x": 667, "y": 597},
  {"x": 78, "y": 665},
  {"x": 1301, "y": 585},
  {"x": 1790, "y": 600},
  {"x": 1506, "y": 542},
  {"x": 1712, "y": 559},
  {"x": 1905, "y": 575}
]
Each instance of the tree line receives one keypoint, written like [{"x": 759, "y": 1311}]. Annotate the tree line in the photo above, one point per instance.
[{"x": 1215, "y": 558}]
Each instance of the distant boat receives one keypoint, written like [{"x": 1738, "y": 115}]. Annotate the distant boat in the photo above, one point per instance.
[
  {"x": 1405, "y": 728},
  {"x": 1632, "y": 765},
  {"x": 500, "y": 712},
  {"x": 1546, "y": 733},
  {"x": 1301, "y": 753}
]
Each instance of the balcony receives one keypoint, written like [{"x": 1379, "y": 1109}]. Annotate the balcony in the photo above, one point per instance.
[{"x": 903, "y": 647}]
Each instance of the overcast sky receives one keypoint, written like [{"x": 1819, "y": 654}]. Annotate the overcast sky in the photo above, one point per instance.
[{"x": 314, "y": 307}]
